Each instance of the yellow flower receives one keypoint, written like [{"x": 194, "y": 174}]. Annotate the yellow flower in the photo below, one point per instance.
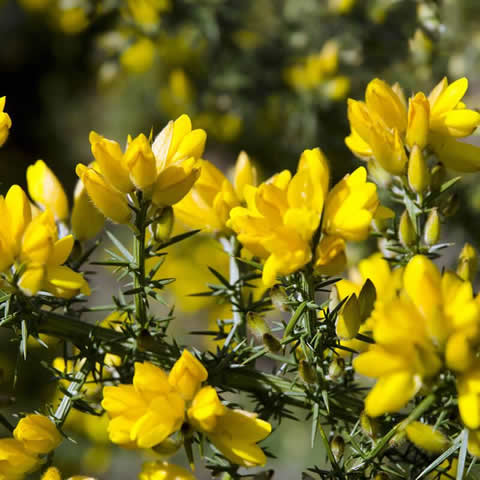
[
  {"x": 46, "y": 190},
  {"x": 145, "y": 413},
  {"x": 53, "y": 474},
  {"x": 236, "y": 435},
  {"x": 140, "y": 162},
  {"x": 418, "y": 121},
  {"x": 86, "y": 220},
  {"x": 164, "y": 471},
  {"x": 138, "y": 57},
  {"x": 187, "y": 375},
  {"x": 15, "y": 460},
  {"x": 5, "y": 122},
  {"x": 147, "y": 12},
  {"x": 426, "y": 437},
  {"x": 350, "y": 207},
  {"x": 330, "y": 256},
  {"x": 244, "y": 174},
  {"x": 38, "y": 434}
]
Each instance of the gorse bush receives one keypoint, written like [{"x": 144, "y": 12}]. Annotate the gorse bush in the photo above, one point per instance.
[{"x": 399, "y": 319}]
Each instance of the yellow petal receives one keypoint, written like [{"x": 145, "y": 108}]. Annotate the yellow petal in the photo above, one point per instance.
[
  {"x": 450, "y": 97},
  {"x": 61, "y": 250},
  {"x": 19, "y": 214},
  {"x": 426, "y": 437},
  {"x": 456, "y": 155}
]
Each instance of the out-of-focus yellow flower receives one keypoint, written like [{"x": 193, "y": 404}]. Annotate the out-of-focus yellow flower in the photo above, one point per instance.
[
  {"x": 155, "y": 406},
  {"x": 164, "y": 471},
  {"x": 35, "y": 5},
  {"x": 91, "y": 388},
  {"x": 72, "y": 20},
  {"x": 467, "y": 263},
  {"x": 38, "y": 434},
  {"x": 177, "y": 96},
  {"x": 138, "y": 57},
  {"x": 86, "y": 220},
  {"x": 283, "y": 213},
  {"x": 147, "y": 12},
  {"x": 5, "y": 122},
  {"x": 426, "y": 437},
  {"x": 187, "y": 375},
  {"x": 381, "y": 127},
  {"x": 46, "y": 190},
  {"x": 341, "y": 6},
  {"x": 54, "y": 474},
  {"x": 15, "y": 460}
]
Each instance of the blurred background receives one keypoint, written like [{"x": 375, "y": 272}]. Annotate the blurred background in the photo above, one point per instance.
[{"x": 267, "y": 76}]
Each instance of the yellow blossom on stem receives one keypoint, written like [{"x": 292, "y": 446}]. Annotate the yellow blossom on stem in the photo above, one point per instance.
[
  {"x": 38, "y": 434},
  {"x": 187, "y": 375},
  {"x": 15, "y": 460},
  {"x": 46, "y": 190},
  {"x": 5, "y": 122}
]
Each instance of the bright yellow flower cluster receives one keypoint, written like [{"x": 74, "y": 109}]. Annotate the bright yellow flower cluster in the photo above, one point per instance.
[
  {"x": 155, "y": 406},
  {"x": 283, "y": 213},
  {"x": 5, "y": 122},
  {"x": 208, "y": 204},
  {"x": 164, "y": 171},
  {"x": 432, "y": 324},
  {"x": 383, "y": 126},
  {"x": 318, "y": 70},
  {"x": 30, "y": 245},
  {"x": 34, "y": 435}
]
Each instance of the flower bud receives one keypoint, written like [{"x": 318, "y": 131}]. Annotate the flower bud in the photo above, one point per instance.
[
  {"x": 337, "y": 445},
  {"x": 159, "y": 469},
  {"x": 245, "y": 174},
  {"x": 187, "y": 374},
  {"x": 418, "y": 173},
  {"x": 272, "y": 343},
  {"x": 467, "y": 263},
  {"x": 140, "y": 162},
  {"x": 168, "y": 447},
  {"x": 349, "y": 319},
  {"x": 406, "y": 230},
  {"x": 307, "y": 372},
  {"x": 257, "y": 325},
  {"x": 336, "y": 368},
  {"x": 109, "y": 201},
  {"x": 5, "y": 122},
  {"x": 38, "y": 434},
  {"x": 366, "y": 299},
  {"x": 162, "y": 228},
  {"x": 450, "y": 205},
  {"x": 418, "y": 121},
  {"x": 438, "y": 176},
  {"x": 432, "y": 228},
  {"x": 369, "y": 425},
  {"x": 279, "y": 298}
]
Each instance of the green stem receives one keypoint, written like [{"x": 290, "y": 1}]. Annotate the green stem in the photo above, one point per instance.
[
  {"x": 139, "y": 254},
  {"x": 307, "y": 293},
  {"x": 232, "y": 248}
]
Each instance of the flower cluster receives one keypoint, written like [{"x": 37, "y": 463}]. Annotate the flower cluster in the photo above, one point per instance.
[
  {"x": 164, "y": 170},
  {"x": 34, "y": 436},
  {"x": 146, "y": 413},
  {"x": 283, "y": 214},
  {"x": 384, "y": 129},
  {"x": 432, "y": 324}
]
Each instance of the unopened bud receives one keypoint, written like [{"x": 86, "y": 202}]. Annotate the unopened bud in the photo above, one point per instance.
[
  {"x": 307, "y": 372},
  {"x": 272, "y": 343},
  {"x": 162, "y": 228},
  {"x": 432, "y": 228},
  {"x": 256, "y": 324},
  {"x": 451, "y": 205},
  {"x": 349, "y": 320},
  {"x": 168, "y": 447},
  {"x": 369, "y": 425},
  {"x": 279, "y": 298},
  {"x": 467, "y": 263},
  {"x": 438, "y": 176},
  {"x": 337, "y": 445},
  {"x": 336, "y": 368},
  {"x": 418, "y": 174},
  {"x": 366, "y": 299},
  {"x": 299, "y": 354},
  {"x": 406, "y": 230}
]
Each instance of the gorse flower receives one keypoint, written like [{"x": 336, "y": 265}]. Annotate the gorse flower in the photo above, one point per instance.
[
  {"x": 283, "y": 214},
  {"x": 433, "y": 323},
  {"x": 33, "y": 249},
  {"x": 146, "y": 413},
  {"x": 164, "y": 471},
  {"x": 5, "y": 122},
  {"x": 209, "y": 202},
  {"x": 383, "y": 126},
  {"x": 53, "y": 474},
  {"x": 164, "y": 171},
  {"x": 38, "y": 434}
]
